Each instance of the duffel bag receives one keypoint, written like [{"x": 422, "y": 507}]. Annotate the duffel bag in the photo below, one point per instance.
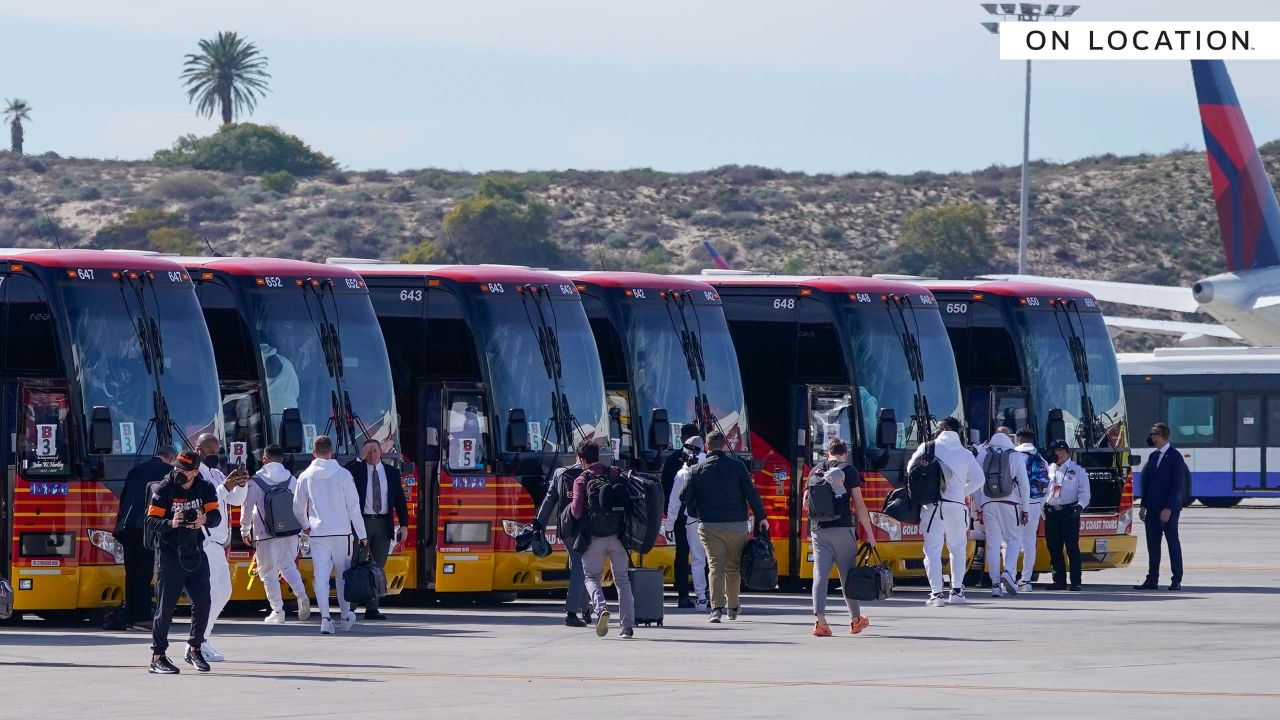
[{"x": 869, "y": 578}]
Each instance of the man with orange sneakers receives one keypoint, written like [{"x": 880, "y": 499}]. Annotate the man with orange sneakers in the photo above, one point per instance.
[{"x": 835, "y": 543}]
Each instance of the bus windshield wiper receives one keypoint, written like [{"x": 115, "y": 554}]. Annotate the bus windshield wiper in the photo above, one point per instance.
[
  {"x": 151, "y": 343},
  {"x": 1074, "y": 340},
  {"x": 549, "y": 347},
  {"x": 898, "y": 306},
  {"x": 691, "y": 345}
]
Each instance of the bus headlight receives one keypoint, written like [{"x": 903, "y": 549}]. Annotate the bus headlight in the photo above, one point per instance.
[
  {"x": 1125, "y": 523},
  {"x": 466, "y": 533},
  {"x": 891, "y": 527},
  {"x": 107, "y": 543}
]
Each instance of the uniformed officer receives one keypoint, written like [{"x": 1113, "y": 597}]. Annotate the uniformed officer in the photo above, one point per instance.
[{"x": 1068, "y": 496}]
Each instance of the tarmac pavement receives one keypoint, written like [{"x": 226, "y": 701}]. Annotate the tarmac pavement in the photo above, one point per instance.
[{"x": 1212, "y": 650}]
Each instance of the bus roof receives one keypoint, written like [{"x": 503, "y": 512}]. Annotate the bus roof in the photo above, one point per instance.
[
  {"x": 825, "y": 283},
  {"x": 1202, "y": 361},
  {"x": 457, "y": 273},
  {"x": 623, "y": 280},
  {"x": 1006, "y": 288},
  {"x": 112, "y": 259},
  {"x": 254, "y": 266}
]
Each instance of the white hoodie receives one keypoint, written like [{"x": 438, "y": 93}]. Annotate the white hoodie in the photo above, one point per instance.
[
  {"x": 960, "y": 468},
  {"x": 251, "y": 522},
  {"x": 221, "y": 533},
  {"x": 1018, "y": 462},
  {"x": 326, "y": 500},
  {"x": 673, "y": 502},
  {"x": 1029, "y": 449}
]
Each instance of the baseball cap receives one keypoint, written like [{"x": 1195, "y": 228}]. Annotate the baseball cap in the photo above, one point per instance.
[
  {"x": 1059, "y": 445},
  {"x": 187, "y": 461}
]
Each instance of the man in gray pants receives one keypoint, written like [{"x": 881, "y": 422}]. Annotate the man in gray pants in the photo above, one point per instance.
[
  {"x": 834, "y": 541},
  {"x": 558, "y": 497},
  {"x": 599, "y": 503}
]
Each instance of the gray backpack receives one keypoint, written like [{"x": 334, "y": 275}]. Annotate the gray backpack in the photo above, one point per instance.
[
  {"x": 277, "y": 508},
  {"x": 999, "y": 473}
]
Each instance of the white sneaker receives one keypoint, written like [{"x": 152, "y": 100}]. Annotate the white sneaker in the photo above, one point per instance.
[
  {"x": 701, "y": 606},
  {"x": 326, "y": 626},
  {"x": 211, "y": 654},
  {"x": 348, "y": 622},
  {"x": 275, "y": 618},
  {"x": 936, "y": 600},
  {"x": 997, "y": 591},
  {"x": 957, "y": 597},
  {"x": 1010, "y": 585},
  {"x": 1024, "y": 586},
  {"x": 304, "y": 607}
]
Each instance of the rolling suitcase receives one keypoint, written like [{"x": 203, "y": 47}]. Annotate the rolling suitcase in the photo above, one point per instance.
[{"x": 646, "y": 588}]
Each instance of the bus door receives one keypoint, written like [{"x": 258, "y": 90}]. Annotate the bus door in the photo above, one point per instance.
[
  {"x": 9, "y": 438},
  {"x": 1009, "y": 407},
  {"x": 828, "y": 414},
  {"x": 462, "y": 433},
  {"x": 1250, "y": 446},
  {"x": 429, "y": 451}
]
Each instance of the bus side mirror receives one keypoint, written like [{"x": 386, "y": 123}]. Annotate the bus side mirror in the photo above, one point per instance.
[
  {"x": 517, "y": 430},
  {"x": 1056, "y": 428},
  {"x": 291, "y": 436},
  {"x": 100, "y": 430},
  {"x": 975, "y": 436},
  {"x": 887, "y": 429},
  {"x": 1135, "y": 460},
  {"x": 659, "y": 430},
  {"x": 615, "y": 422}
]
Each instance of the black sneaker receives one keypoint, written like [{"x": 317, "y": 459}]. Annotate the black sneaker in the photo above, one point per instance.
[
  {"x": 1075, "y": 588},
  {"x": 733, "y": 613},
  {"x": 684, "y": 602},
  {"x": 195, "y": 659},
  {"x": 571, "y": 620},
  {"x": 162, "y": 666},
  {"x": 626, "y": 634},
  {"x": 715, "y": 615}
]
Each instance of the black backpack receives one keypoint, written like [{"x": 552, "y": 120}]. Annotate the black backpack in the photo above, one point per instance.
[
  {"x": 644, "y": 516},
  {"x": 925, "y": 479},
  {"x": 607, "y": 502},
  {"x": 759, "y": 566},
  {"x": 820, "y": 500}
]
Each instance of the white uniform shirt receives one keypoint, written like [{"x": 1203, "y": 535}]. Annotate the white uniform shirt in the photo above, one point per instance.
[
  {"x": 221, "y": 534},
  {"x": 673, "y": 502},
  {"x": 1068, "y": 484},
  {"x": 375, "y": 473}
]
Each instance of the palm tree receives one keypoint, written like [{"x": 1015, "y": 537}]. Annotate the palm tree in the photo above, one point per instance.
[
  {"x": 15, "y": 111},
  {"x": 229, "y": 73}
]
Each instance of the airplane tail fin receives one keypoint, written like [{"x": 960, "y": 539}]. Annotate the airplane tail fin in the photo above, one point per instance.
[
  {"x": 1248, "y": 214},
  {"x": 716, "y": 257}
]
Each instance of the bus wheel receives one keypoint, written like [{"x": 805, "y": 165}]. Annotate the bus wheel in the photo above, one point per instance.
[{"x": 1220, "y": 502}]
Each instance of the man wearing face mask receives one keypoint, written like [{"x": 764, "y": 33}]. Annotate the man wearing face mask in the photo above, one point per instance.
[
  {"x": 230, "y": 490},
  {"x": 1162, "y": 482}
]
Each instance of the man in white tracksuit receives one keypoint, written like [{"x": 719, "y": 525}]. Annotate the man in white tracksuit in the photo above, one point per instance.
[
  {"x": 697, "y": 553},
  {"x": 1004, "y": 517},
  {"x": 1038, "y": 483},
  {"x": 230, "y": 491},
  {"x": 276, "y": 556},
  {"x": 948, "y": 521},
  {"x": 327, "y": 505}
]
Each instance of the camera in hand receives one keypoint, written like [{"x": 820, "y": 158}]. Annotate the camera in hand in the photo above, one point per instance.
[{"x": 189, "y": 516}]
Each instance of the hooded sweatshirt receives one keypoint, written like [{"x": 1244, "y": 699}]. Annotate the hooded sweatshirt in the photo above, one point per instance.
[
  {"x": 221, "y": 534},
  {"x": 251, "y": 522},
  {"x": 963, "y": 474},
  {"x": 1021, "y": 494},
  {"x": 1029, "y": 450},
  {"x": 326, "y": 500}
]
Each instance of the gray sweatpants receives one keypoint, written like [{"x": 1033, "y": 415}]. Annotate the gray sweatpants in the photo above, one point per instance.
[
  {"x": 832, "y": 547},
  {"x": 593, "y": 566}
]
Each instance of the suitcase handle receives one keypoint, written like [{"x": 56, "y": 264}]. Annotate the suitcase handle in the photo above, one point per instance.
[{"x": 865, "y": 552}]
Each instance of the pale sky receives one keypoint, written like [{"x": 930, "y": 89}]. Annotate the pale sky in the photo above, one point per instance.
[{"x": 812, "y": 85}]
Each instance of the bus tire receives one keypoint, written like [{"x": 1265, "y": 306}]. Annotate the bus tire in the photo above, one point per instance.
[{"x": 1220, "y": 502}]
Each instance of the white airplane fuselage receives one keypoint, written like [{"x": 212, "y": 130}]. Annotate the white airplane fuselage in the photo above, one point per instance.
[{"x": 1247, "y": 301}]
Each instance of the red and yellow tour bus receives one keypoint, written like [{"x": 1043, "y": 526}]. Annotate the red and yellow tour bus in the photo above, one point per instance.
[
  {"x": 497, "y": 378},
  {"x": 1039, "y": 356},
  {"x": 865, "y": 360},
  {"x": 104, "y": 358}
]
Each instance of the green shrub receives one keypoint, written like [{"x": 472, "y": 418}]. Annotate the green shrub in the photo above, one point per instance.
[
  {"x": 399, "y": 194},
  {"x": 89, "y": 192},
  {"x": 281, "y": 181},
  {"x": 7, "y": 186},
  {"x": 378, "y": 176},
  {"x": 131, "y": 231},
  {"x": 501, "y": 224},
  {"x": 248, "y": 148},
  {"x": 794, "y": 265},
  {"x": 43, "y": 227},
  {"x": 184, "y": 186},
  {"x": 180, "y": 240},
  {"x": 424, "y": 252}
]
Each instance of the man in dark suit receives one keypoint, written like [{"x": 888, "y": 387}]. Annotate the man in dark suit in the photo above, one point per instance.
[
  {"x": 1162, "y": 483},
  {"x": 380, "y": 490},
  {"x": 139, "y": 562}
]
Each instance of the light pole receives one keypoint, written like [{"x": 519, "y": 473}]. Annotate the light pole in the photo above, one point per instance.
[{"x": 1025, "y": 12}]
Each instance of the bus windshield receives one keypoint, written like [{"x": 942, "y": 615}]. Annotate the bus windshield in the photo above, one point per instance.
[
  {"x": 1052, "y": 376},
  {"x": 661, "y": 371},
  {"x": 520, "y": 378},
  {"x": 111, "y": 365},
  {"x": 884, "y": 380},
  {"x": 288, "y": 325}
]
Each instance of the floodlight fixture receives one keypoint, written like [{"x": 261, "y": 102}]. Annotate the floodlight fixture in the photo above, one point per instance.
[
  {"x": 1050, "y": 10},
  {"x": 992, "y": 27},
  {"x": 1009, "y": 8},
  {"x": 1069, "y": 10},
  {"x": 990, "y": 8}
]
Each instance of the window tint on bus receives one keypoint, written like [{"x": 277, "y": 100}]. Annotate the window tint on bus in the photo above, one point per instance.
[
  {"x": 468, "y": 428},
  {"x": 451, "y": 354},
  {"x": 227, "y": 332},
  {"x": 992, "y": 358},
  {"x": 1273, "y": 421},
  {"x": 612, "y": 361},
  {"x": 819, "y": 354},
  {"x": 29, "y": 344},
  {"x": 45, "y": 450},
  {"x": 1192, "y": 419}
]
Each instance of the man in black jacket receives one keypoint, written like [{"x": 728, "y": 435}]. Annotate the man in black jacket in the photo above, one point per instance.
[
  {"x": 139, "y": 562},
  {"x": 380, "y": 490},
  {"x": 1162, "y": 481},
  {"x": 554, "y": 503},
  {"x": 670, "y": 467},
  {"x": 180, "y": 507},
  {"x": 720, "y": 489}
]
